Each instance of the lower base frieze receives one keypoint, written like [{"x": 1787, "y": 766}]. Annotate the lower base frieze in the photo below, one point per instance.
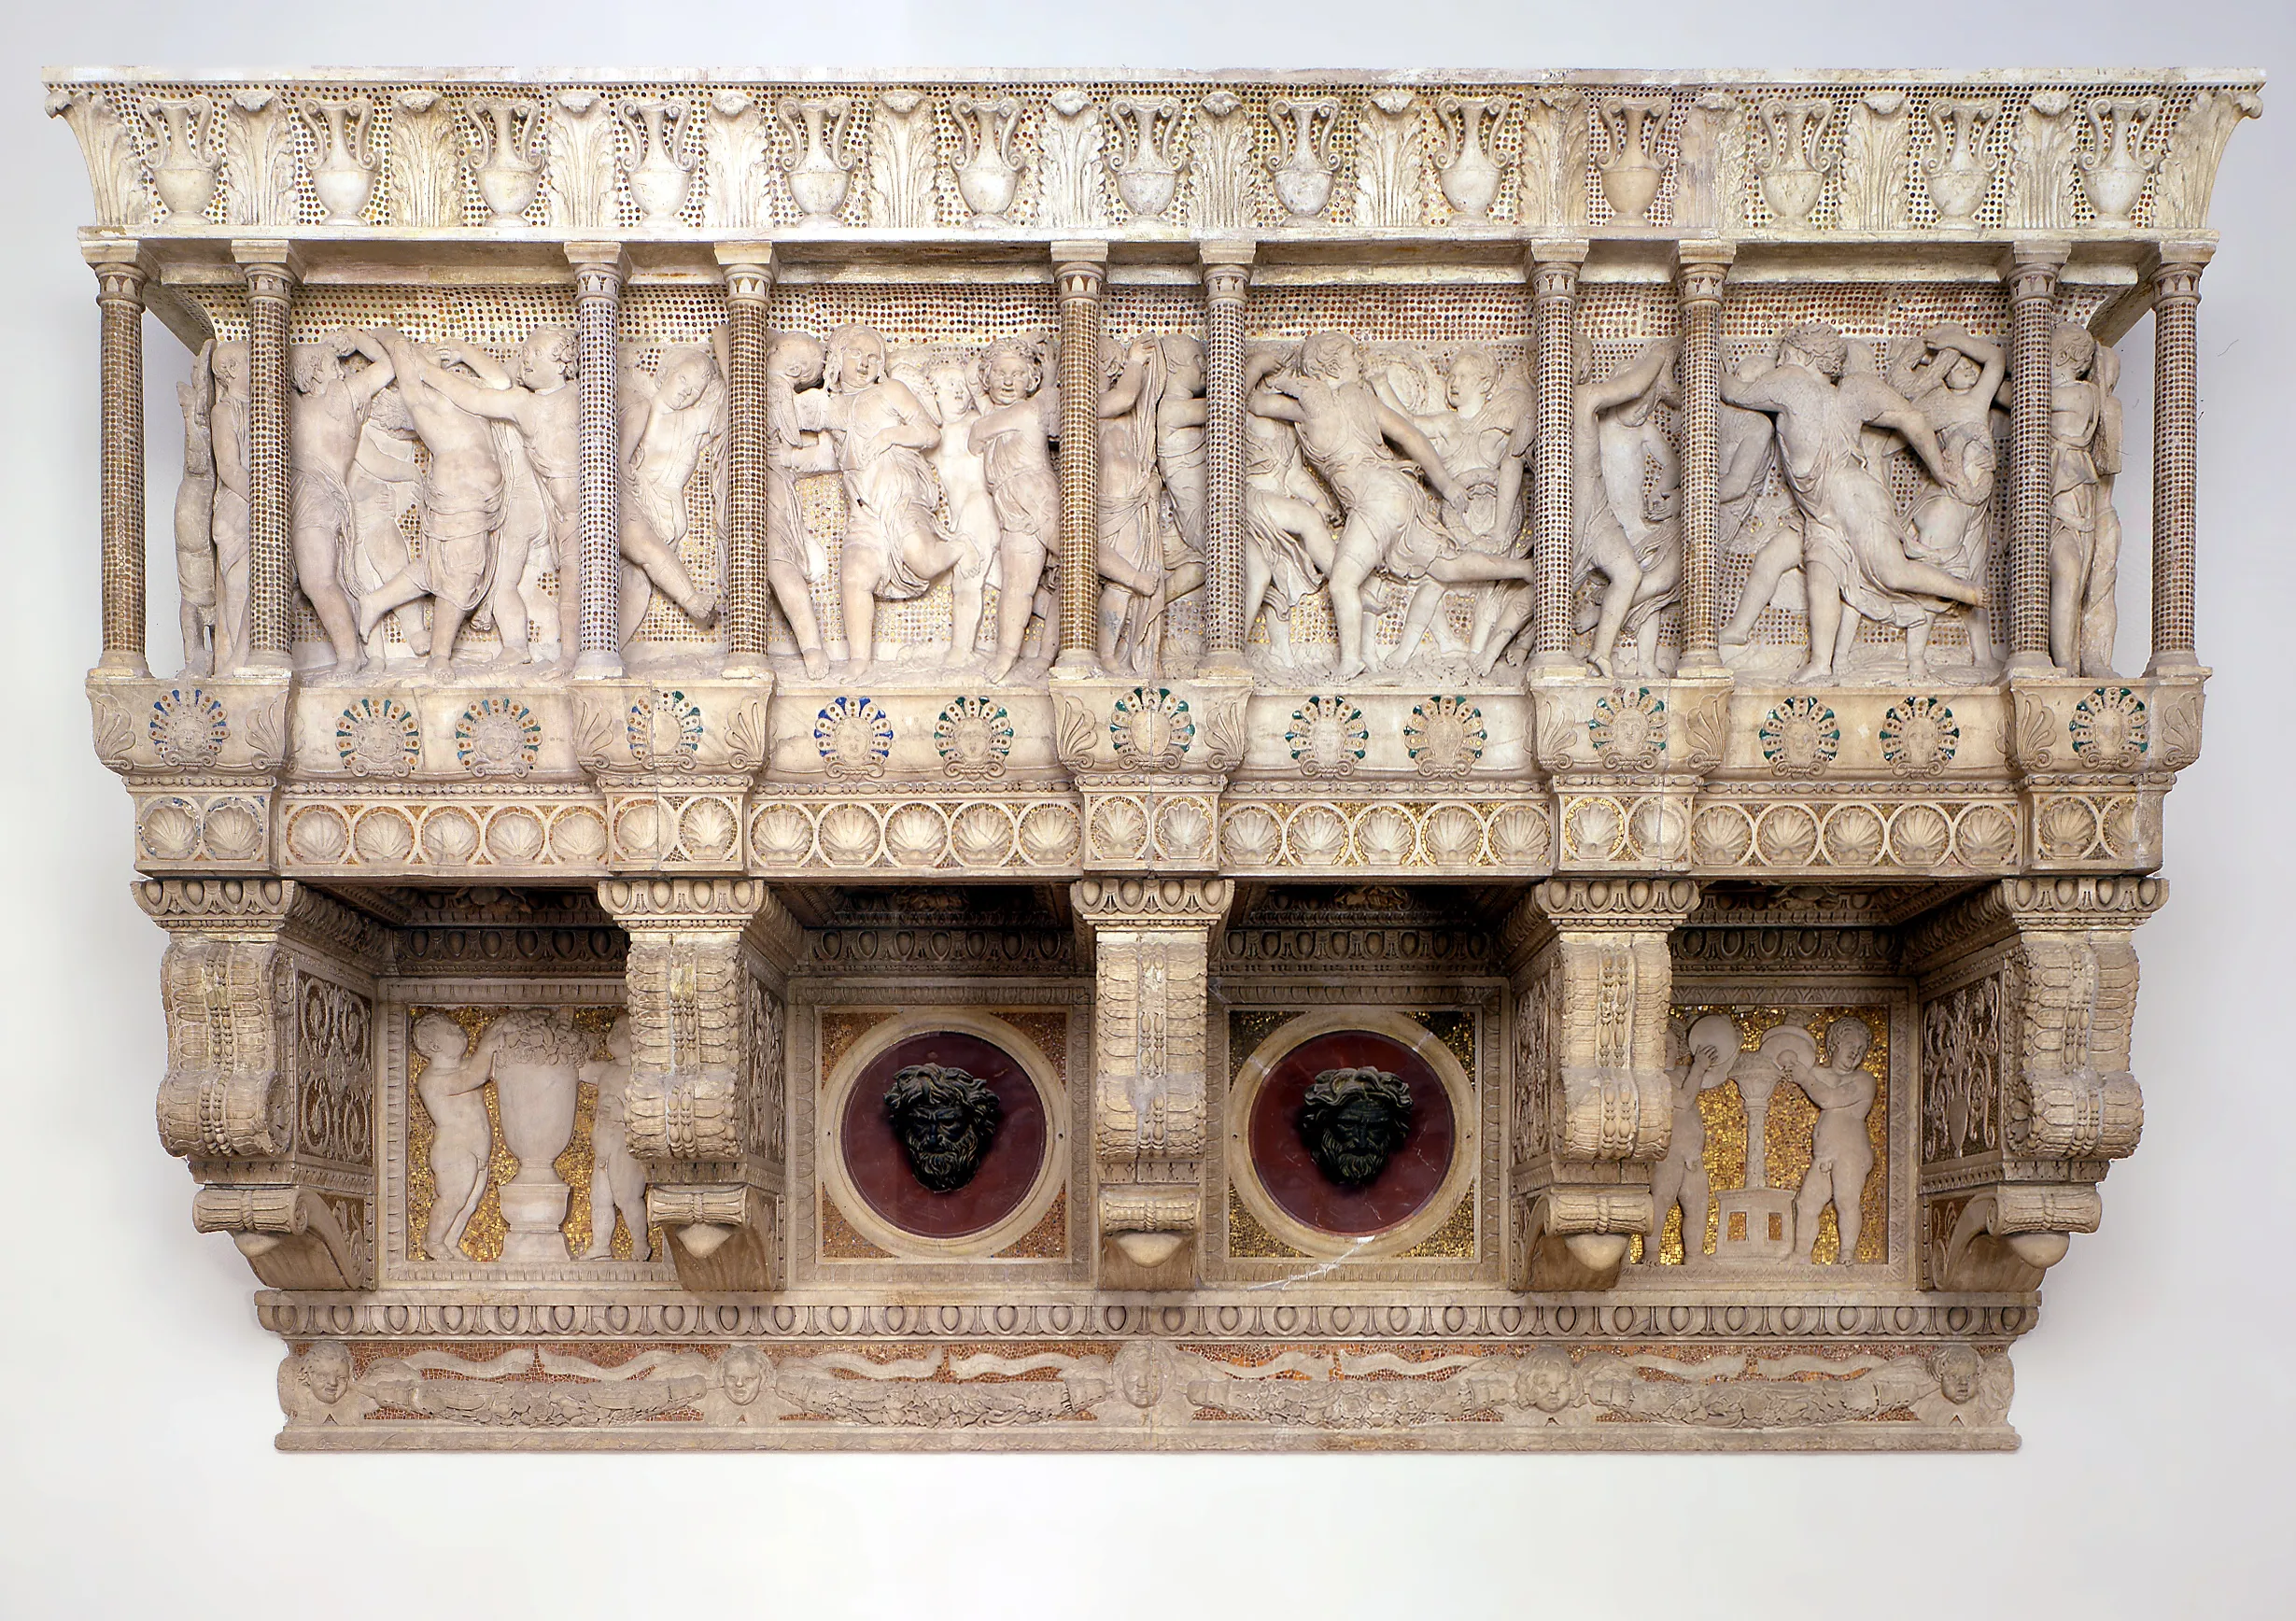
[{"x": 1180, "y": 1394}]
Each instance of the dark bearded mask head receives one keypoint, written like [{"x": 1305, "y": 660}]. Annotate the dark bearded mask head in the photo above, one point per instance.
[
  {"x": 1352, "y": 1120},
  {"x": 945, "y": 1121}
]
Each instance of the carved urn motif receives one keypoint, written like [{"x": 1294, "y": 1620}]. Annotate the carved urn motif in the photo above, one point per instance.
[
  {"x": 1147, "y": 178},
  {"x": 2112, "y": 171},
  {"x": 1793, "y": 177},
  {"x": 658, "y": 179},
  {"x": 502, "y": 132},
  {"x": 987, "y": 177},
  {"x": 343, "y": 173},
  {"x": 1960, "y": 173},
  {"x": 821, "y": 173},
  {"x": 182, "y": 166},
  {"x": 1631, "y": 176},
  {"x": 1467, "y": 171},
  {"x": 1302, "y": 172}
]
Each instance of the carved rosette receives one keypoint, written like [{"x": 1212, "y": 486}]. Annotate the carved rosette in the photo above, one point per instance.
[{"x": 1591, "y": 1099}]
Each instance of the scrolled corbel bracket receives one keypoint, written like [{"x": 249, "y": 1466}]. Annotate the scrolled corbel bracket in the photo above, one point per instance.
[
  {"x": 2007, "y": 1235},
  {"x": 298, "y": 1200},
  {"x": 705, "y": 977},
  {"x": 289, "y": 1236},
  {"x": 724, "y": 1238},
  {"x": 1576, "y": 1239},
  {"x": 1593, "y": 983}
]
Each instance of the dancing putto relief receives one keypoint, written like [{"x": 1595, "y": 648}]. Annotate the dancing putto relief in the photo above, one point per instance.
[{"x": 1223, "y": 762}]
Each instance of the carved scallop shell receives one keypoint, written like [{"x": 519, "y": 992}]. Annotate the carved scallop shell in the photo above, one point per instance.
[
  {"x": 1183, "y": 830},
  {"x": 1520, "y": 833},
  {"x": 1452, "y": 834},
  {"x": 1854, "y": 837},
  {"x": 1383, "y": 836},
  {"x": 171, "y": 829},
  {"x": 1048, "y": 834},
  {"x": 2118, "y": 825},
  {"x": 382, "y": 836},
  {"x": 1787, "y": 837},
  {"x": 1120, "y": 827},
  {"x": 1595, "y": 829},
  {"x": 1252, "y": 837},
  {"x": 450, "y": 836},
  {"x": 1987, "y": 836},
  {"x": 1317, "y": 835},
  {"x": 849, "y": 836},
  {"x": 2067, "y": 829},
  {"x": 1656, "y": 827},
  {"x": 915, "y": 836},
  {"x": 638, "y": 829},
  {"x": 516, "y": 837},
  {"x": 233, "y": 830},
  {"x": 781, "y": 833},
  {"x": 981, "y": 835},
  {"x": 1920, "y": 836},
  {"x": 318, "y": 835},
  {"x": 578, "y": 837},
  {"x": 708, "y": 830},
  {"x": 1722, "y": 835}
]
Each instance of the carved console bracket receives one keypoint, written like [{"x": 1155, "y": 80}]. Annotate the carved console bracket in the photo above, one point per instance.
[
  {"x": 1592, "y": 1100},
  {"x": 2028, "y": 991},
  {"x": 1152, "y": 945},
  {"x": 707, "y": 974},
  {"x": 268, "y": 987}
]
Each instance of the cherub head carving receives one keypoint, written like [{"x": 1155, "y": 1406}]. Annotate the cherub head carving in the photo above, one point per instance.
[
  {"x": 1011, "y": 368},
  {"x": 1959, "y": 1369},
  {"x": 945, "y": 1119},
  {"x": 548, "y": 359},
  {"x": 795, "y": 359},
  {"x": 855, "y": 360},
  {"x": 1352, "y": 1120},
  {"x": 1332, "y": 357},
  {"x": 327, "y": 1370},
  {"x": 744, "y": 1373},
  {"x": 1817, "y": 345}
]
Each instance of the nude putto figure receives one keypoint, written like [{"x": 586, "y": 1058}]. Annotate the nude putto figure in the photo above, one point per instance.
[
  {"x": 1390, "y": 524},
  {"x": 534, "y": 397},
  {"x": 1840, "y": 1153},
  {"x": 896, "y": 546},
  {"x": 462, "y": 1139},
  {"x": 669, "y": 421},
  {"x": 325, "y": 414},
  {"x": 461, "y": 503},
  {"x": 617, "y": 1180},
  {"x": 1014, "y": 435},
  {"x": 1853, "y": 552},
  {"x": 1698, "y": 1060}
]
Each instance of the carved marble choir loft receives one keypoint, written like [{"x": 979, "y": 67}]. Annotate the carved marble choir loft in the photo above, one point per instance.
[{"x": 1221, "y": 762}]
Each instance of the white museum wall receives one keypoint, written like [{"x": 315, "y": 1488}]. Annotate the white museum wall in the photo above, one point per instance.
[{"x": 136, "y": 1471}]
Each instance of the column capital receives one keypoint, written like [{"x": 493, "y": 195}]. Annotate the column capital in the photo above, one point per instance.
[
  {"x": 270, "y": 265},
  {"x": 119, "y": 258},
  {"x": 748, "y": 268},
  {"x": 2031, "y": 265},
  {"x": 599, "y": 267},
  {"x": 1701, "y": 267},
  {"x": 2175, "y": 267},
  {"x": 1227, "y": 270},
  {"x": 1079, "y": 269},
  {"x": 1569, "y": 250}
]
